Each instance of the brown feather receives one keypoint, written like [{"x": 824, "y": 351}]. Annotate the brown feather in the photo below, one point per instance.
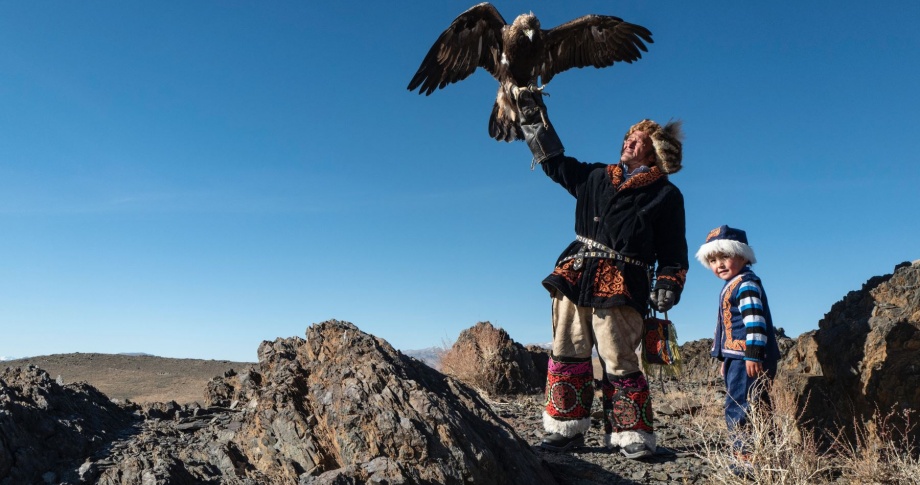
[
  {"x": 592, "y": 40},
  {"x": 472, "y": 40}
]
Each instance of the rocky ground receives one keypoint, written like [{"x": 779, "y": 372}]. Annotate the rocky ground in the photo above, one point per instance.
[
  {"x": 201, "y": 442},
  {"x": 676, "y": 461}
]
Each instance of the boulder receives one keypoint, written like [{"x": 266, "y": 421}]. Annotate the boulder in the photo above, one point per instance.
[
  {"x": 697, "y": 364},
  {"x": 232, "y": 388},
  {"x": 486, "y": 358},
  {"x": 540, "y": 357}
]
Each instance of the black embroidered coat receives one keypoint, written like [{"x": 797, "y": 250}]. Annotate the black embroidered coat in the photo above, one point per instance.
[{"x": 641, "y": 218}]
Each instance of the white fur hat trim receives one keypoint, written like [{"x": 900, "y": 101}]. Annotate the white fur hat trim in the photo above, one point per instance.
[{"x": 725, "y": 246}]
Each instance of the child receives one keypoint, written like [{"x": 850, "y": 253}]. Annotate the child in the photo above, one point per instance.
[{"x": 744, "y": 341}]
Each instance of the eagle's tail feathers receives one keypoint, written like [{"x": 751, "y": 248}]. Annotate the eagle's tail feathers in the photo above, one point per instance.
[{"x": 503, "y": 128}]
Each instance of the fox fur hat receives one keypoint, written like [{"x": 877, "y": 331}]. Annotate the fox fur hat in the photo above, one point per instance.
[
  {"x": 725, "y": 240},
  {"x": 667, "y": 141}
]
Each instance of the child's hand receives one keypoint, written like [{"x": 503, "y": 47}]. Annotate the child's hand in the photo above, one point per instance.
[
  {"x": 754, "y": 369},
  {"x": 722, "y": 369}
]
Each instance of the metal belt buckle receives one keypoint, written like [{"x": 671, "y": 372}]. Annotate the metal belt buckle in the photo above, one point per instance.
[{"x": 579, "y": 259}]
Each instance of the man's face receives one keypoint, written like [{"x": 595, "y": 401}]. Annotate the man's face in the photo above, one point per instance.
[{"x": 637, "y": 150}]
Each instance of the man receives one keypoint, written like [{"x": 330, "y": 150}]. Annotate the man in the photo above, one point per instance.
[{"x": 628, "y": 216}]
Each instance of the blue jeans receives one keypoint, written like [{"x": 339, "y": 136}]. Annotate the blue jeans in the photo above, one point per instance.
[{"x": 739, "y": 390}]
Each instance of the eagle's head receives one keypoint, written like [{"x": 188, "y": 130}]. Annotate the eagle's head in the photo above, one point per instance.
[{"x": 528, "y": 24}]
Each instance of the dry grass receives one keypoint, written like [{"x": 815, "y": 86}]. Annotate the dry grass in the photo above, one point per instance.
[
  {"x": 882, "y": 451},
  {"x": 784, "y": 451},
  {"x": 476, "y": 362}
]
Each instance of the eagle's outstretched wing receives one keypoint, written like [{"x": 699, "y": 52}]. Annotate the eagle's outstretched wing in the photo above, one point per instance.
[
  {"x": 592, "y": 40},
  {"x": 474, "y": 39}
]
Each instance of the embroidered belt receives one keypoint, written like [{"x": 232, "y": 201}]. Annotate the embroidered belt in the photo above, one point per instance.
[{"x": 600, "y": 251}]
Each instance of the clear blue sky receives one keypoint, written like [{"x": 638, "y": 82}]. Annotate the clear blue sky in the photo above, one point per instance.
[{"x": 187, "y": 179}]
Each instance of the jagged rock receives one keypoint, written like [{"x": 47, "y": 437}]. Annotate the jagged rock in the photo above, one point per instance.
[
  {"x": 46, "y": 427},
  {"x": 540, "y": 358},
  {"x": 161, "y": 410},
  {"x": 232, "y": 388},
  {"x": 486, "y": 358},
  {"x": 863, "y": 359},
  {"x": 343, "y": 406},
  {"x": 697, "y": 363},
  {"x": 340, "y": 407}
]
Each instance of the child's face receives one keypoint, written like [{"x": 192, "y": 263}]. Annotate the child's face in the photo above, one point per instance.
[{"x": 726, "y": 267}]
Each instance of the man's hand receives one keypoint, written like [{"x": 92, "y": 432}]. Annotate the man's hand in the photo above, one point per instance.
[{"x": 662, "y": 299}]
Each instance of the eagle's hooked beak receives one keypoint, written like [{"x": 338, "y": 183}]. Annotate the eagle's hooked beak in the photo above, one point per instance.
[{"x": 529, "y": 33}]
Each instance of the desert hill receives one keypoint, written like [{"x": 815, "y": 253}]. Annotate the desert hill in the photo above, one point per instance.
[{"x": 137, "y": 378}]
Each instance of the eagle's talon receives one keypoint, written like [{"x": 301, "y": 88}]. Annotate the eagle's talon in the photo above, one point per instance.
[{"x": 533, "y": 88}]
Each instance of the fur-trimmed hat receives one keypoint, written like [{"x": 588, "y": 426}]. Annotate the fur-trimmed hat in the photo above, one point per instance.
[
  {"x": 667, "y": 141},
  {"x": 725, "y": 240}
]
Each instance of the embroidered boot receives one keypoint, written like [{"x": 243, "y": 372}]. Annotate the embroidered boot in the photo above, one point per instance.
[
  {"x": 569, "y": 393},
  {"x": 628, "y": 418}
]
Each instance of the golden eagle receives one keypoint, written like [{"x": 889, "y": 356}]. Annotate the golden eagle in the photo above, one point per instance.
[{"x": 517, "y": 54}]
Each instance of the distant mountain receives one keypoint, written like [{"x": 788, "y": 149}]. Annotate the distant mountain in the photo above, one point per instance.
[
  {"x": 2, "y": 358},
  {"x": 430, "y": 356}
]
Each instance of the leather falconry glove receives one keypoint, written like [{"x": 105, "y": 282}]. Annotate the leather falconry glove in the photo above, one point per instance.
[
  {"x": 662, "y": 299},
  {"x": 538, "y": 132}
]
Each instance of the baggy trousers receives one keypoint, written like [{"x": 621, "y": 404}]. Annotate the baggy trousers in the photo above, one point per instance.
[{"x": 616, "y": 332}]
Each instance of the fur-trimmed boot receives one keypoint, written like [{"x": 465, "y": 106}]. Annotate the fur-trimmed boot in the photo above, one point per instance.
[
  {"x": 628, "y": 418},
  {"x": 569, "y": 393}
]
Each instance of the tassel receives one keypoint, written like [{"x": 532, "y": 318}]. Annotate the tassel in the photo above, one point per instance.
[{"x": 668, "y": 352}]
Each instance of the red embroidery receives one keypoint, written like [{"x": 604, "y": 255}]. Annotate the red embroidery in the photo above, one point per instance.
[
  {"x": 569, "y": 274},
  {"x": 730, "y": 343},
  {"x": 627, "y": 406},
  {"x": 608, "y": 280},
  {"x": 713, "y": 233},
  {"x": 679, "y": 278},
  {"x": 569, "y": 390},
  {"x": 615, "y": 172}
]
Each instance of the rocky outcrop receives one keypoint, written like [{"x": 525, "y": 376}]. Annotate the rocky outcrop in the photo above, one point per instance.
[
  {"x": 46, "y": 427},
  {"x": 697, "y": 364},
  {"x": 345, "y": 407},
  {"x": 486, "y": 358},
  {"x": 540, "y": 357},
  {"x": 232, "y": 388},
  {"x": 339, "y": 407},
  {"x": 862, "y": 360}
]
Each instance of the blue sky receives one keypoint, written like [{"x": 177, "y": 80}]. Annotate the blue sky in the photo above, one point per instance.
[{"x": 188, "y": 179}]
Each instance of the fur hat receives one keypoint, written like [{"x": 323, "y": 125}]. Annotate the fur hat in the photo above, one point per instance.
[
  {"x": 725, "y": 240},
  {"x": 667, "y": 141}
]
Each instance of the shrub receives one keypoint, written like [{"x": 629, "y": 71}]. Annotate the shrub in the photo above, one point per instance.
[{"x": 778, "y": 448}]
